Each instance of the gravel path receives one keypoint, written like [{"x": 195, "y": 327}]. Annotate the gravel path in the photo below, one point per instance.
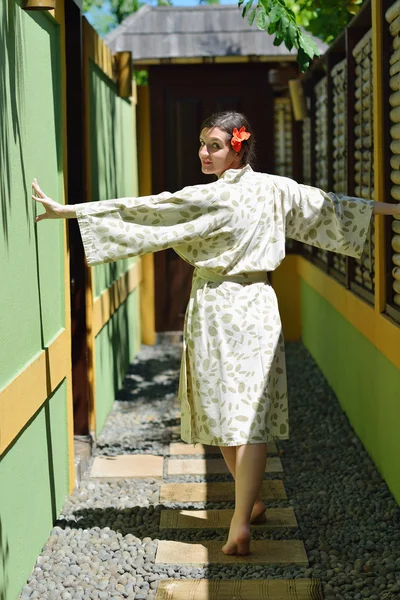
[{"x": 104, "y": 543}]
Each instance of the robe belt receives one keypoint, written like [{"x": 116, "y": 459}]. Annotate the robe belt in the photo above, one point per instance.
[{"x": 250, "y": 277}]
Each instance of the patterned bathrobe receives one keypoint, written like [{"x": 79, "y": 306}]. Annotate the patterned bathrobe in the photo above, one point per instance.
[{"x": 233, "y": 378}]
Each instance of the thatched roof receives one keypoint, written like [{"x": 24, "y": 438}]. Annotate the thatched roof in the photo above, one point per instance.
[{"x": 180, "y": 32}]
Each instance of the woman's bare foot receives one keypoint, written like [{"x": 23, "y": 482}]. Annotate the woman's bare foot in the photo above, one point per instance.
[
  {"x": 238, "y": 540},
  {"x": 258, "y": 513}
]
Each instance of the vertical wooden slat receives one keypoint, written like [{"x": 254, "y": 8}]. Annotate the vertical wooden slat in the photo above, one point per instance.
[
  {"x": 379, "y": 153},
  {"x": 88, "y": 51},
  {"x": 60, "y": 17},
  {"x": 338, "y": 142},
  {"x": 391, "y": 106},
  {"x": 147, "y": 297}
]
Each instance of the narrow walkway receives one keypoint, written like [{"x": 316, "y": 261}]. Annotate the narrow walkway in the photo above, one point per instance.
[{"x": 129, "y": 531}]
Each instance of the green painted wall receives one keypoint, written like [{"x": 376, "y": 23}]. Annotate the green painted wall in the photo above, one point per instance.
[
  {"x": 113, "y": 157},
  {"x": 366, "y": 383},
  {"x": 34, "y": 469},
  {"x": 34, "y": 483},
  {"x": 113, "y": 175},
  {"x": 116, "y": 347},
  {"x": 31, "y": 257}
]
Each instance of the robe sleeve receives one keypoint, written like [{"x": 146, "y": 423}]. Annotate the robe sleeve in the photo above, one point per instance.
[
  {"x": 329, "y": 221},
  {"x": 125, "y": 227}
]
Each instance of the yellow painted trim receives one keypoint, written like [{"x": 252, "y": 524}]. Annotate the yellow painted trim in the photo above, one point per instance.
[
  {"x": 376, "y": 327},
  {"x": 27, "y": 392},
  {"x": 286, "y": 284},
  {"x": 111, "y": 299},
  {"x": 379, "y": 153},
  {"x": 195, "y": 60},
  {"x": 147, "y": 292},
  {"x": 98, "y": 51}
]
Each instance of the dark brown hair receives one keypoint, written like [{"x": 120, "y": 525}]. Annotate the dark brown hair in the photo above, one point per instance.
[{"x": 227, "y": 121}]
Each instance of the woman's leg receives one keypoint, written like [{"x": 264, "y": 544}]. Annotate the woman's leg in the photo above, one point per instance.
[
  {"x": 258, "y": 512},
  {"x": 250, "y": 469}
]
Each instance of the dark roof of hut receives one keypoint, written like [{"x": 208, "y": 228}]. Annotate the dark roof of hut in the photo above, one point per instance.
[{"x": 181, "y": 32}]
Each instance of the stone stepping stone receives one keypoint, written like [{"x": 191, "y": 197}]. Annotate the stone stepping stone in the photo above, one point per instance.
[
  {"x": 272, "y": 489},
  {"x": 208, "y": 552},
  {"x": 201, "y": 449},
  {"x": 221, "y": 519},
  {"x": 215, "y": 466},
  {"x": 127, "y": 466},
  {"x": 245, "y": 589}
]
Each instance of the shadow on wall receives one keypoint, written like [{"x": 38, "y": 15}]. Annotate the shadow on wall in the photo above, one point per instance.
[
  {"x": 12, "y": 100},
  {"x": 4, "y": 554}
]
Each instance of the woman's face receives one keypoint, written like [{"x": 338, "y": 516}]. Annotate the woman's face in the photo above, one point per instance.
[{"x": 216, "y": 153}]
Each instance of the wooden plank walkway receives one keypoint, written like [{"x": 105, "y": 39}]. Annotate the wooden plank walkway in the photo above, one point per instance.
[{"x": 208, "y": 552}]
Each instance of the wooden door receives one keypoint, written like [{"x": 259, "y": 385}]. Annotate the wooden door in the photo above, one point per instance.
[{"x": 182, "y": 96}]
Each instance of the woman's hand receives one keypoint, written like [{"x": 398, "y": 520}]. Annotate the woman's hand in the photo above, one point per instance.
[
  {"x": 53, "y": 209},
  {"x": 385, "y": 208}
]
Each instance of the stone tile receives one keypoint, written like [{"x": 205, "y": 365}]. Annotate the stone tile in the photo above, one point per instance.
[
  {"x": 127, "y": 466},
  {"x": 201, "y": 449},
  {"x": 200, "y": 466},
  {"x": 220, "y": 519},
  {"x": 246, "y": 589},
  {"x": 263, "y": 552},
  {"x": 272, "y": 489}
]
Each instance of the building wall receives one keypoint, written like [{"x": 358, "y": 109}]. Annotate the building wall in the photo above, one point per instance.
[
  {"x": 35, "y": 391},
  {"x": 366, "y": 383},
  {"x": 356, "y": 348}
]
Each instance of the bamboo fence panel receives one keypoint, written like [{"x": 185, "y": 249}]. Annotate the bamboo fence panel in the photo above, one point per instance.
[
  {"x": 321, "y": 145},
  {"x": 339, "y": 116},
  {"x": 283, "y": 143},
  {"x": 393, "y": 18},
  {"x": 307, "y": 147},
  {"x": 364, "y": 268}
]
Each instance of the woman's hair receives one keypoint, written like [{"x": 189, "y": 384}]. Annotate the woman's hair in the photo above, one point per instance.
[{"x": 227, "y": 121}]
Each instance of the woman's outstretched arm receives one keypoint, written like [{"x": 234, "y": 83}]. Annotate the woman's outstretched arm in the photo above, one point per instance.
[{"x": 384, "y": 208}]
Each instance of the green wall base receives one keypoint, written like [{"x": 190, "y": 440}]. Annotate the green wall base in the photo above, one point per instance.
[
  {"x": 366, "y": 383},
  {"x": 34, "y": 484},
  {"x": 116, "y": 347}
]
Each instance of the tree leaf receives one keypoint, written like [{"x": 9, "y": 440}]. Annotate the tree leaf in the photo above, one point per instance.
[
  {"x": 266, "y": 4},
  {"x": 276, "y": 13},
  {"x": 303, "y": 59},
  {"x": 262, "y": 20},
  {"x": 291, "y": 36},
  {"x": 278, "y": 39},
  {"x": 283, "y": 25},
  {"x": 308, "y": 45},
  {"x": 252, "y": 16},
  {"x": 247, "y": 7}
]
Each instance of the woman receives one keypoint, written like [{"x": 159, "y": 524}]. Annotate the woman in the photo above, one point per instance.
[{"x": 233, "y": 378}]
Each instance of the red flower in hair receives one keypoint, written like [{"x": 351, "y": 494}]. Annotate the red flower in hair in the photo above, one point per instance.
[{"x": 238, "y": 137}]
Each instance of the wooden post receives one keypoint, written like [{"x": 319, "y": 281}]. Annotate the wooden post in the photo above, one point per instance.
[
  {"x": 379, "y": 151},
  {"x": 39, "y": 4},
  {"x": 147, "y": 297},
  {"x": 88, "y": 42},
  {"x": 123, "y": 62}
]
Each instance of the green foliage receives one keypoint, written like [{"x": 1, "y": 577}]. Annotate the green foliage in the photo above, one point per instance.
[
  {"x": 276, "y": 17},
  {"x": 326, "y": 18},
  {"x": 282, "y": 18},
  {"x": 141, "y": 77}
]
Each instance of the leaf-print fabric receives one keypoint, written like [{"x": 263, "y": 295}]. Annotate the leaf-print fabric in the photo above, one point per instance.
[{"x": 233, "y": 377}]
